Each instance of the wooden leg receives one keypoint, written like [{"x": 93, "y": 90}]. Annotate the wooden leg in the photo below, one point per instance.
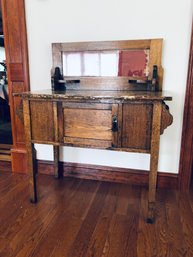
[
  {"x": 56, "y": 162},
  {"x": 156, "y": 123},
  {"x": 30, "y": 152},
  {"x": 32, "y": 173}
]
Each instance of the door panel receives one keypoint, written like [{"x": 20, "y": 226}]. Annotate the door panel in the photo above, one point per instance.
[
  {"x": 42, "y": 120},
  {"x": 88, "y": 125},
  {"x": 136, "y": 126}
]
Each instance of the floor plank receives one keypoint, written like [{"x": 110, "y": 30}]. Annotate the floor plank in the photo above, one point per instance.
[{"x": 84, "y": 218}]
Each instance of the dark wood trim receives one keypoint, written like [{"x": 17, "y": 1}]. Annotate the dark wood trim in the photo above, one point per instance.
[
  {"x": 186, "y": 155},
  {"x": 106, "y": 173},
  {"x": 15, "y": 35},
  {"x": 95, "y": 172}
]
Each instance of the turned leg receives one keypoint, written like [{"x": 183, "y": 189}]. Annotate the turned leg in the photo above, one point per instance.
[
  {"x": 56, "y": 162},
  {"x": 155, "y": 138}
]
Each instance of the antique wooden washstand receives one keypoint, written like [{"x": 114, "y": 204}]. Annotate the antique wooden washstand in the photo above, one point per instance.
[{"x": 105, "y": 95}]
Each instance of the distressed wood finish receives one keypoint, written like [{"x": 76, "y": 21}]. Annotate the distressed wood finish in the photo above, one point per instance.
[
  {"x": 56, "y": 137},
  {"x": 92, "y": 114},
  {"x": 155, "y": 58},
  {"x": 42, "y": 126},
  {"x": 56, "y": 161},
  {"x": 14, "y": 29},
  {"x": 137, "y": 122},
  {"x": 166, "y": 119},
  {"x": 30, "y": 151},
  {"x": 87, "y": 123},
  {"x": 87, "y": 120},
  {"x": 155, "y": 138}
]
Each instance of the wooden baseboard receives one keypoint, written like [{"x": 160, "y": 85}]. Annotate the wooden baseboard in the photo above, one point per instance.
[
  {"x": 96, "y": 172},
  {"x": 105, "y": 173}
]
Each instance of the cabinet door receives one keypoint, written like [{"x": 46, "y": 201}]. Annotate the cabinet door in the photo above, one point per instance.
[
  {"x": 137, "y": 125},
  {"x": 88, "y": 124}
]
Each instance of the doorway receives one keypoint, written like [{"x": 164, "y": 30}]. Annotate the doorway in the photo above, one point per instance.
[{"x": 5, "y": 119}]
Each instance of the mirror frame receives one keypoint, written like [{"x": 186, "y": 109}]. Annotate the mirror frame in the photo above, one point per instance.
[{"x": 111, "y": 83}]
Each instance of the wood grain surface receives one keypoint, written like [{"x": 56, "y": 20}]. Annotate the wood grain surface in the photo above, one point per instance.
[
  {"x": 15, "y": 36},
  {"x": 86, "y": 218}
]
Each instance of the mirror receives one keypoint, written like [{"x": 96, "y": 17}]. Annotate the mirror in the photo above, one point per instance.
[
  {"x": 131, "y": 63},
  {"x": 107, "y": 65}
]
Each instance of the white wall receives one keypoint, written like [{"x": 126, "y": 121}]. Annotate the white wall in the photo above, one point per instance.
[{"x": 51, "y": 21}]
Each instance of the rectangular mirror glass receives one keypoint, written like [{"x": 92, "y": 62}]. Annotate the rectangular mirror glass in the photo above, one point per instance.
[{"x": 112, "y": 63}]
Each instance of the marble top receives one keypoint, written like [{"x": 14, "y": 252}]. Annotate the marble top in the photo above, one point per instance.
[{"x": 98, "y": 95}]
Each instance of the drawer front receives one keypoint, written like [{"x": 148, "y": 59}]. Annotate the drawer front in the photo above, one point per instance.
[
  {"x": 88, "y": 125},
  {"x": 137, "y": 125}
]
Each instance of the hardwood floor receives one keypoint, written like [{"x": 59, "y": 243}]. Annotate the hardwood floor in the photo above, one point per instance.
[{"x": 86, "y": 218}]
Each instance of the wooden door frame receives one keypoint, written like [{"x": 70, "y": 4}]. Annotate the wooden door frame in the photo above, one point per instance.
[
  {"x": 15, "y": 38},
  {"x": 186, "y": 154}
]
